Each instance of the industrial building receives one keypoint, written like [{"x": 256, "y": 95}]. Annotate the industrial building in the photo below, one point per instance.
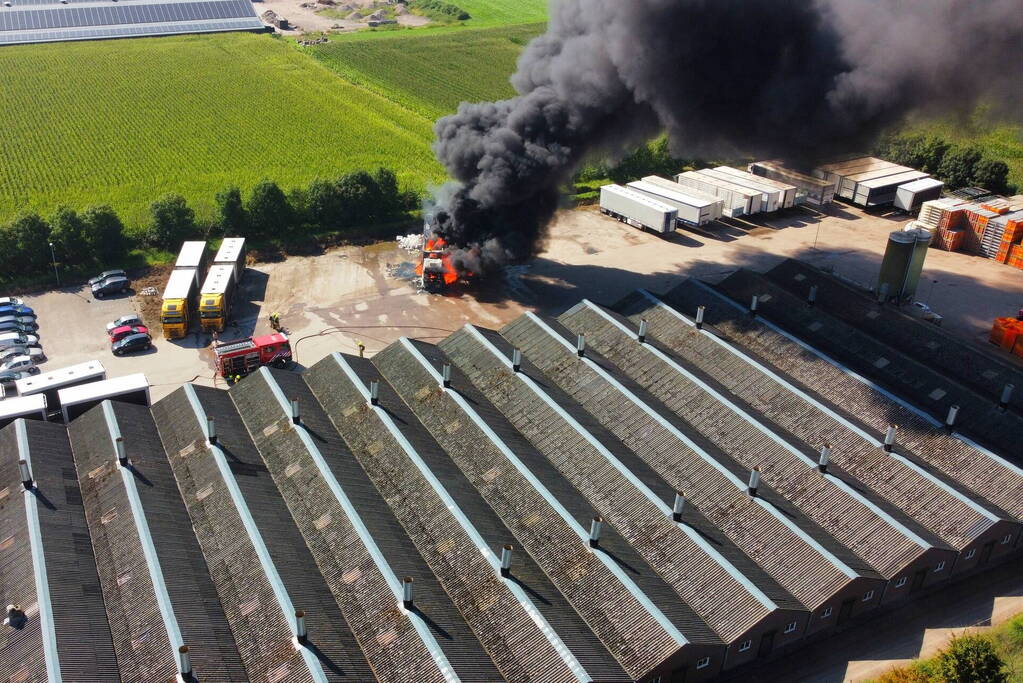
[{"x": 664, "y": 490}]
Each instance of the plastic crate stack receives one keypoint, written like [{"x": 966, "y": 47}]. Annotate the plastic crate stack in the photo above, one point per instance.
[
  {"x": 946, "y": 218},
  {"x": 1007, "y": 333},
  {"x": 1010, "y": 250}
]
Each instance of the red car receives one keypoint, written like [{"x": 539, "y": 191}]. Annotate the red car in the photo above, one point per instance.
[{"x": 119, "y": 333}]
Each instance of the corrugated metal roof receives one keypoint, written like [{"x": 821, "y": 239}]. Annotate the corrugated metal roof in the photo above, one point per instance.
[
  {"x": 599, "y": 589},
  {"x": 976, "y": 474},
  {"x": 763, "y": 532},
  {"x": 638, "y": 512},
  {"x": 47, "y": 566},
  {"x": 361, "y": 550},
  {"x": 880, "y": 539},
  {"x": 156, "y": 587},
  {"x": 533, "y": 630},
  {"x": 917, "y": 492}
]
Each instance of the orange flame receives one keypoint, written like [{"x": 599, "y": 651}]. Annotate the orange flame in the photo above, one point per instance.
[{"x": 433, "y": 247}]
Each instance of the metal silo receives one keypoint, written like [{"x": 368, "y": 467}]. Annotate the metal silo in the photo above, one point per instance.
[{"x": 903, "y": 263}]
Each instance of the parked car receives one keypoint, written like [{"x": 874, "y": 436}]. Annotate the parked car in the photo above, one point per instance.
[
  {"x": 18, "y": 339},
  {"x": 10, "y": 300},
  {"x": 11, "y": 376},
  {"x": 116, "y": 284},
  {"x": 13, "y": 325},
  {"x": 14, "y": 309},
  {"x": 21, "y": 364},
  {"x": 33, "y": 352},
  {"x": 119, "y": 333},
  {"x": 106, "y": 274},
  {"x": 130, "y": 320},
  {"x": 23, "y": 320},
  {"x": 131, "y": 344}
]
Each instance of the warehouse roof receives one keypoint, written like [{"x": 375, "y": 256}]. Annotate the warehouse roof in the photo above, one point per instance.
[
  {"x": 606, "y": 470},
  {"x": 46, "y": 564},
  {"x": 594, "y": 582},
  {"x": 928, "y": 495},
  {"x": 377, "y": 497},
  {"x": 156, "y": 586},
  {"x": 361, "y": 549},
  {"x": 668, "y": 445}
]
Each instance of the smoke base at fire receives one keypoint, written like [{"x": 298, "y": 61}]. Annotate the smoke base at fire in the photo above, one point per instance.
[{"x": 799, "y": 79}]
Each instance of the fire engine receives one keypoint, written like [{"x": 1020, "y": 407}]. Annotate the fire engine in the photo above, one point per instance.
[{"x": 242, "y": 356}]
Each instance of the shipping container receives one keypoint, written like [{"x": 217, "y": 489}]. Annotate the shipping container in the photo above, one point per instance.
[
  {"x": 787, "y": 192},
  {"x": 128, "y": 389},
  {"x": 638, "y": 210},
  {"x": 881, "y": 191},
  {"x": 692, "y": 209},
  {"x": 809, "y": 190},
  {"x": 911, "y": 196},
  {"x": 734, "y": 203}
]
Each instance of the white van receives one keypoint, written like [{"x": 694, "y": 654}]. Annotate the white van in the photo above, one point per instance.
[{"x": 17, "y": 339}]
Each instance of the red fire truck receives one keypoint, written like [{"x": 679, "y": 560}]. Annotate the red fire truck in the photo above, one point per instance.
[{"x": 242, "y": 356}]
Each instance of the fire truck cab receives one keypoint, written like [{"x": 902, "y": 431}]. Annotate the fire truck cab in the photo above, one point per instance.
[{"x": 242, "y": 356}]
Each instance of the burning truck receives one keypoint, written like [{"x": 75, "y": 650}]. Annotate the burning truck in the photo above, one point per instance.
[{"x": 436, "y": 271}]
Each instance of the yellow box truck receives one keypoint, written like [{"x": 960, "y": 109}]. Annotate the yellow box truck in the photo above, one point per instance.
[
  {"x": 178, "y": 302},
  {"x": 215, "y": 298}
]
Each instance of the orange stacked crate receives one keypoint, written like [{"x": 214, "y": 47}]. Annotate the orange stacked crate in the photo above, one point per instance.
[
  {"x": 1016, "y": 256},
  {"x": 1005, "y": 332},
  {"x": 951, "y": 240}
]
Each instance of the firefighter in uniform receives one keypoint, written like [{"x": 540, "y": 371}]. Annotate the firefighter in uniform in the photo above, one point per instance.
[{"x": 362, "y": 349}]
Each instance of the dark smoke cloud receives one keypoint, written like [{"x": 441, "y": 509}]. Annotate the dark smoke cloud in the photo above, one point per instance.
[{"x": 793, "y": 78}]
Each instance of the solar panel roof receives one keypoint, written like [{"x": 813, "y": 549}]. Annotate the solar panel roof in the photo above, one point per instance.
[{"x": 37, "y": 21}]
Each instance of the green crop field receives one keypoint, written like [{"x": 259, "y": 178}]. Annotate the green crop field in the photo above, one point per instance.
[
  {"x": 429, "y": 72},
  {"x": 124, "y": 121}
]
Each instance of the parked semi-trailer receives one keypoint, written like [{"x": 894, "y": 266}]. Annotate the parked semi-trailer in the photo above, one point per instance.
[
  {"x": 178, "y": 301},
  {"x": 692, "y": 209},
  {"x": 232, "y": 253},
  {"x": 50, "y": 383},
  {"x": 636, "y": 209},
  {"x": 216, "y": 297},
  {"x": 193, "y": 256},
  {"x": 910, "y": 196},
  {"x": 809, "y": 190},
  {"x": 737, "y": 201},
  {"x": 881, "y": 191},
  {"x": 782, "y": 195}
]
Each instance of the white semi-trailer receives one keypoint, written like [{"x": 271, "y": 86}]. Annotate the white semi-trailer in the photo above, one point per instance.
[
  {"x": 881, "y": 191},
  {"x": 910, "y": 196},
  {"x": 737, "y": 202},
  {"x": 809, "y": 190},
  {"x": 783, "y": 195},
  {"x": 692, "y": 209},
  {"x": 636, "y": 209}
]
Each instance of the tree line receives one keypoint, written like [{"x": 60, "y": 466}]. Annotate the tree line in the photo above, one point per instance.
[
  {"x": 98, "y": 237},
  {"x": 956, "y": 165}
]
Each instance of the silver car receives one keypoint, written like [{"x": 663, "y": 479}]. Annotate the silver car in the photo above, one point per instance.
[
  {"x": 130, "y": 320},
  {"x": 33, "y": 352},
  {"x": 16, "y": 339}
]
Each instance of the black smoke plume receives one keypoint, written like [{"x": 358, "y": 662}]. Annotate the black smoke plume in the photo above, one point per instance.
[{"x": 799, "y": 79}]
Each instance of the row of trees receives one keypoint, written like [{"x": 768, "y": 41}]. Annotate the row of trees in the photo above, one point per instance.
[
  {"x": 97, "y": 236},
  {"x": 354, "y": 199},
  {"x": 93, "y": 236},
  {"x": 957, "y": 165}
]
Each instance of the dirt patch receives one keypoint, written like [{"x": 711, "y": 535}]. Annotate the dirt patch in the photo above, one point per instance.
[{"x": 148, "y": 285}]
